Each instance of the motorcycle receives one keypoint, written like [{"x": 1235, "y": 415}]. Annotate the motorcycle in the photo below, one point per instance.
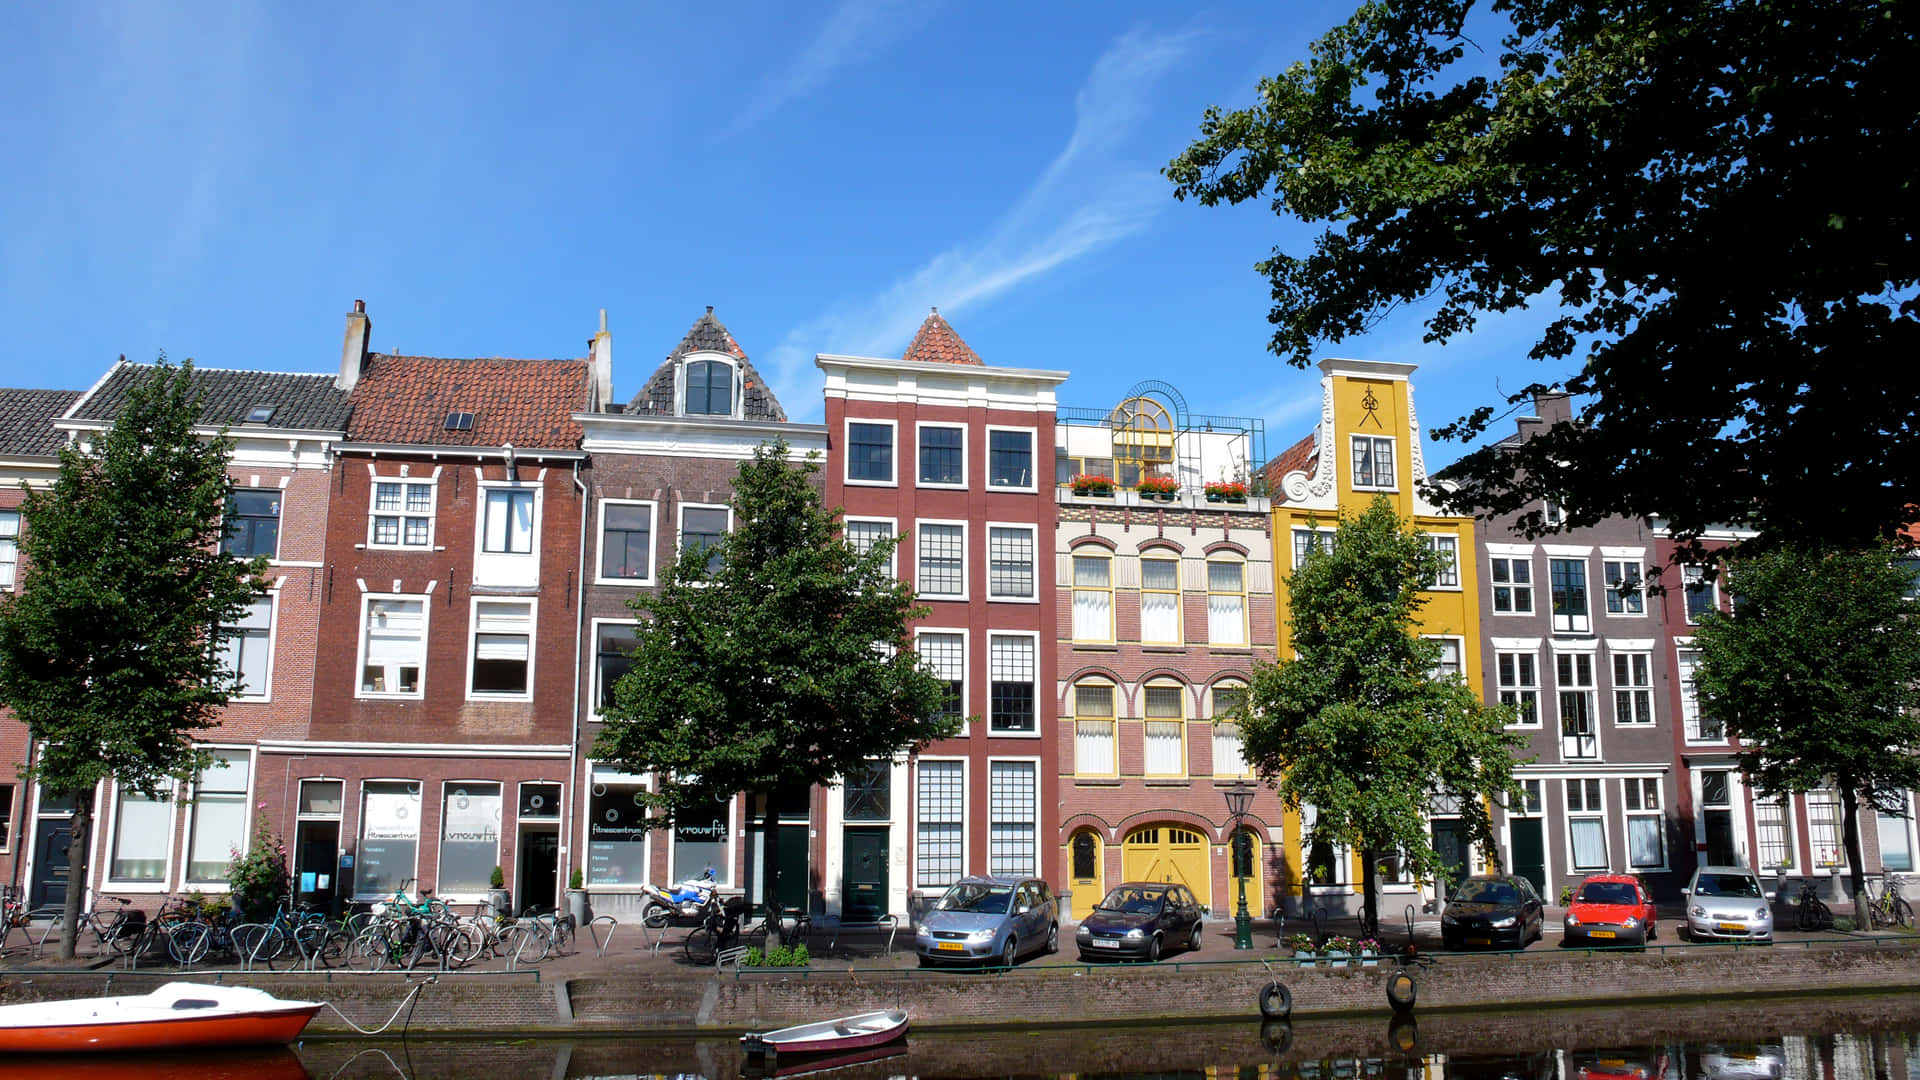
[{"x": 683, "y": 905}]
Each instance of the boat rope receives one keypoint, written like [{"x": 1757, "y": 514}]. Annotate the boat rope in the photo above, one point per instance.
[
  {"x": 382, "y": 1054},
  {"x": 408, "y": 1000}
]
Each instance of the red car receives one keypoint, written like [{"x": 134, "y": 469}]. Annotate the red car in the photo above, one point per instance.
[{"x": 1610, "y": 909}]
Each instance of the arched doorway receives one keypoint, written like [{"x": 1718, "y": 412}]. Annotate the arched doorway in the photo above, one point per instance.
[
  {"x": 1168, "y": 853},
  {"x": 1086, "y": 870},
  {"x": 1244, "y": 865}
]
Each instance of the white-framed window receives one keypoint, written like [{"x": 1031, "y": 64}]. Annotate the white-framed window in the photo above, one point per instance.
[
  {"x": 389, "y": 851},
  {"x": 940, "y": 549},
  {"x": 1373, "y": 463},
  {"x": 1519, "y": 677},
  {"x": 500, "y": 663},
  {"x": 940, "y": 842},
  {"x": 393, "y": 645},
  {"x": 1698, "y": 726},
  {"x": 1646, "y": 825},
  {"x": 1010, "y": 461},
  {"x": 6, "y": 818},
  {"x": 1586, "y": 825},
  {"x": 1010, "y": 562},
  {"x": 1512, "y": 585},
  {"x": 1159, "y": 600},
  {"x": 469, "y": 837},
  {"x": 1306, "y": 541},
  {"x": 1772, "y": 829},
  {"x": 1579, "y": 735},
  {"x": 247, "y": 649},
  {"x": 219, "y": 825},
  {"x": 1824, "y": 830},
  {"x": 1451, "y": 663},
  {"x": 1093, "y": 597},
  {"x": 1625, "y": 592},
  {"x": 142, "y": 839},
  {"x": 613, "y": 645},
  {"x": 1567, "y": 579},
  {"x": 507, "y": 527},
  {"x": 1702, "y": 595},
  {"x": 1229, "y": 744},
  {"x": 702, "y": 527},
  {"x": 1633, "y": 688},
  {"x": 1093, "y": 738},
  {"x": 626, "y": 541},
  {"x": 870, "y": 451},
  {"x": 1012, "y": 684},
  {"x": 863, "y": 533},
  {"x": 1325, "y": 862},
  {"x": 9, "y": 547},
  {"x": 1163, "y": 708},
  {"x": 401, "y": 515},
  {"x": 707, "y": 388},
  {"x": 945, "y": 654},
  {"x": 1891, "y": 827},
  {"x": 1226, "y": 602},
  {"x": 1012, "y": 810},
  {"x": 943, "y": 455},
  {"x": 1448, "y": 545}
]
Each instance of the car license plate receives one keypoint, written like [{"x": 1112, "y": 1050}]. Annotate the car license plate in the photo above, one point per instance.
[
  {"x": 1098, "y": 944},
  {"x": 1599, "y": 933},
  {"x": 1479, "y": 941},
  {"x": 1732, "y": 926},
  {"x": 949, "y": 946}
]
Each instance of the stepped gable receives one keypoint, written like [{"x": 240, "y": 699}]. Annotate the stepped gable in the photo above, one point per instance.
[
  {"x": 708, "y": 334},
  {"x": 26, "y": 421},
  {"x": 937, "y": 343},
  {"x": 300, "y": 402},
  {"x": 1300, "y": 457},
  {"x": 529, "y": 403}
]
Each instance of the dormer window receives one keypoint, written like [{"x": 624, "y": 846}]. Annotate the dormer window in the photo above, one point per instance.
[{"x": 709, "y": 388}]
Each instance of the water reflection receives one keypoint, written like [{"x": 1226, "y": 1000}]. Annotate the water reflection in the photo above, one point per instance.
[{"x": 1835, "y": 1038}]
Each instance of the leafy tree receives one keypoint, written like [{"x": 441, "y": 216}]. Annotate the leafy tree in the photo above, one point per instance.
[
  {"x": 1817, "y": 672},
  {"x": 1717, "y": 196},
  {"x": 1357, "y": 724},
  {"x": 784, "y": 664},
  {"x": 109, "y": 651}
]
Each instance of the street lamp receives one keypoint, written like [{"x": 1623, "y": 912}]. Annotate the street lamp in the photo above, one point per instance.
[{"x": 1239, "y": 796}]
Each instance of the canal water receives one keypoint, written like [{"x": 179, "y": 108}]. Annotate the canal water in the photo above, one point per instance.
[{"x": 1816, "y": 1038}]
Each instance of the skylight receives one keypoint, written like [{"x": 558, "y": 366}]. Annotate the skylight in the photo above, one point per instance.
[
  {"x": 459, "y": 421},
  {"x": 260, "y": 414}
]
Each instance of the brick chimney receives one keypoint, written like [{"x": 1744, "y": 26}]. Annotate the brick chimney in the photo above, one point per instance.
[
  {"x": 353, "y": 352},
  {"x": 600, "y": 361}
]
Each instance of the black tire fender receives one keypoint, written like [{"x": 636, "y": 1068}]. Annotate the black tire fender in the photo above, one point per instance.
[
  {"x": 1403, "y": 1034},
  {"x": 1276, "y": 1036},
  {"x": 1401, "y": 991},
  {"x": 1276, "y": 1001}
]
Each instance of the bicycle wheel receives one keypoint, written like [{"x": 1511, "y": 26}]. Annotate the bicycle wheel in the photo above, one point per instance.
[
  {"x": 699, "y": 947},
  {"x": 563, "y": 935},
  {"x": 1819, "y": 916},
  {"x": 534, "y": 943},
  {"x": 188, "y": 943},
  {"x": 1902, "y": 912}
]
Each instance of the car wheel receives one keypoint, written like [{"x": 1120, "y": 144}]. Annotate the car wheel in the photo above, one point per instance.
[
  {"x": 1053, "y": 938},
  {"x": 1653, "y": 931},
  {"x": 925, "y": 963},
  {"x": 1194, "y": 938},
  {"x": 1680, "y": 931},
  {"x": 1153, "y": 949},
  {"x": 1011, "y": 952}
]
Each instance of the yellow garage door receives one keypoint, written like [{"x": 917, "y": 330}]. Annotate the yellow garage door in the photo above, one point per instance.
[{"x": 1169, "y": 853}]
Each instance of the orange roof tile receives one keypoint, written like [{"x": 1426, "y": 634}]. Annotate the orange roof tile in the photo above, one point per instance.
[
  {"x": 1296, "y": 458},
  {"x": 529, "y": 403},
  {"x": 936, "y": 343}
]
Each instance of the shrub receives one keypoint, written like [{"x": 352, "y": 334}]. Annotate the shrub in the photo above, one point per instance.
[
  {"x": 258, "y": 878},
  {"x": 497, "y": 880},
  {"x": 780, "y": 956},
  {"x": 576, "y": 880}
]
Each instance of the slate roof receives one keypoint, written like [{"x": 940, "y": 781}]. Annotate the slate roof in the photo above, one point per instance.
[
  {"x": 303, "y": 402},
  {"x": 1300, "y": 457},
  {"x": 937, "y": 343},
  {"x": 529, "y": 403},
  {"x": 708, "y": 334},
  {"x": 26, "y": 421}
]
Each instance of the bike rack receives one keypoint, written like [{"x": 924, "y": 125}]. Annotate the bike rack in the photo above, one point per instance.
[{"x": 600, "y": 946}]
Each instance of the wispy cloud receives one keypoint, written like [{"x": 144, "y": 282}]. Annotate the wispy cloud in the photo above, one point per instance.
[
  {"x": 855, "y": 30},
  {"x": 1090, "y": 196}
]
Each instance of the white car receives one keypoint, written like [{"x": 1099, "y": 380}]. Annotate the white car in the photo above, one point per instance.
[{"x": 1727, "y": 903}]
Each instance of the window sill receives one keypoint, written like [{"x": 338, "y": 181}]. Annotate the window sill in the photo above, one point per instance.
[
  {"x": 365, "y": 695},
  {"x": 1230, "y": 650},
  {"x": 1162, "y": 648},
  {"x": 996, "y": 734},
  {"x": 1097, "y": 781},
  {"x": 632, "y": 583},
  {"x": 1013, "y": 599},
  {"x": 1168, "y": 781},
  {"x": 851, "y": 482},
  {"x": 499, "y": 699},
  {"x": 1086, "y": 646}
]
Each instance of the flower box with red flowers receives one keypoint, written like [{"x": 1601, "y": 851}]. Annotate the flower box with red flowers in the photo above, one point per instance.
[
  {"x": 1226, "y": 491},
  {"x": 1161, "y": 488},
  {"x": 1092, "y": 485}
]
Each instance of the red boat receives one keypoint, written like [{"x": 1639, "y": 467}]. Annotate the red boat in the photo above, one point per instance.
[
  {"x": 855, "y": 1032},
  {"x": 177, "y": 1016}
]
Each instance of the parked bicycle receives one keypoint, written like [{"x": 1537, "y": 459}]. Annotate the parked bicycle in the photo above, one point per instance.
[
  {"x": 1812, "y": 913},
  {"x": 719, "y": 930},
  {"x": 1889, "y": 909}
]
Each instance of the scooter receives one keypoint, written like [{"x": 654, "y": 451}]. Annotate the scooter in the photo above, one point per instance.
[{"x": 684, "y": 905}]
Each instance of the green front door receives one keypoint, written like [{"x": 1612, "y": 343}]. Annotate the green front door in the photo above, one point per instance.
[
  {"x": 1529, "y": 851},
  {"x": 790, "y": 848},
  {"x": 863, "y": 887}
]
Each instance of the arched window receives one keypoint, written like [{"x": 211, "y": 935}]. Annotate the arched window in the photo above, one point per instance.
[{"x": 709, "y": 388}]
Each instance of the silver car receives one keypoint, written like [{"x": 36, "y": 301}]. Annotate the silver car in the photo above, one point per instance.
[
  {"x": 990, "y": 920},
  {"x": 1727, "y": 903}
]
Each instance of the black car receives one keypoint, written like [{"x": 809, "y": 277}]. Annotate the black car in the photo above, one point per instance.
[
  {"x": 1493, "y": 910},
  {"x": 1139, "y": 919}
]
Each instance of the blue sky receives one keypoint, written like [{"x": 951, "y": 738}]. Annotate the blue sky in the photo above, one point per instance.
[{"x": 221, "y": 181}]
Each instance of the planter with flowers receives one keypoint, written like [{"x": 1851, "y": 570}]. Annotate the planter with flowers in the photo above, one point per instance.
[
  {"x": 1339, "y": 951},
  {"x": 1303, "y": 948},
  {"x": 1230, "y": 491},
  {"x": 1369, "y": 952},
  {"x": 1097, "y": 486},
  {"x": 1157, "y": 488}
]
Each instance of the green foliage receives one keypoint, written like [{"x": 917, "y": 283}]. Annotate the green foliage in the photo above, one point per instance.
[
  {"x": 258, "y": 877},
  {"x": 1301, "y": 944},
  {"x": 497, "y": 879},
  {"x": 576, "y": 880},
  {"x": 1614, "y": 159},
  {"x": 1356, "y": 724},
  {"x": 1817, "y": 672},
  {"x": 778, "y": 956}
]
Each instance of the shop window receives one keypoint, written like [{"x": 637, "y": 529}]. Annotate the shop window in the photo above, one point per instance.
[
  {"x": 469, "y": 837},
  {"x": 389, "y": 837},
  {"x": 616, "y": 831}
]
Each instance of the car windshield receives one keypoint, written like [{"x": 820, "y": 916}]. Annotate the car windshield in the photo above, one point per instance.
[
  {"x": 1727, "y": 885},
  {"x": 1135, "y": 901},
  {"x": 978, "y": 897},
  {"x": 1486, "y": 892},
  {"x": 1607, "y": 892}
]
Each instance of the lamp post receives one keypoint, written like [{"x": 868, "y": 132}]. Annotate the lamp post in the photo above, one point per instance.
[{"x": 1238, "y": 798}]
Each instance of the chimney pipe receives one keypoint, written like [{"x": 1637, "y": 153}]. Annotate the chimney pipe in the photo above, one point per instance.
[
  {"x": 353, "y": 351},
  {"x": 600, "y": 365}
]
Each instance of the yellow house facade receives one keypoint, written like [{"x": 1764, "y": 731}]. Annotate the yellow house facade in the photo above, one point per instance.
[{"x": 1367, "y": 444}]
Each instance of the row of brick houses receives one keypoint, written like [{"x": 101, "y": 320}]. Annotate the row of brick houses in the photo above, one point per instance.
[{"x": 452, "y": 545}]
